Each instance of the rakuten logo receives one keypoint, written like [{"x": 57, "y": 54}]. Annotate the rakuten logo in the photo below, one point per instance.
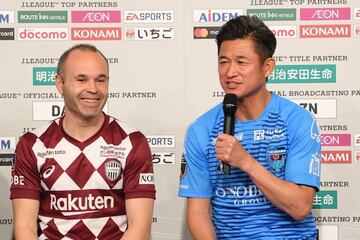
[
  {"x": 70, "y": 205},
  {"x": 96, "y": 33},
  {"x": 95, "y": 16},
  {"x": 36, "y": 34},
  {"x": 284, "y": 31},
  {"x": 323, "y": 14},
  {"x": 325, "y": 31}
]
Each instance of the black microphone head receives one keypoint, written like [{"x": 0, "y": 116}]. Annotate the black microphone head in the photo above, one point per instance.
[{"x": 230, "y": 104}]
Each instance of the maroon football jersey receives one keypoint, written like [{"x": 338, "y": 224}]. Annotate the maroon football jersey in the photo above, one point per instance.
[{"x": 82, "y": 186}]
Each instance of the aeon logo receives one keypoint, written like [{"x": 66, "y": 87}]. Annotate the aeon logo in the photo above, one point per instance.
[
  {"x": 95, "y": 16},
  {"x": 36, "y": 34},
  {"x": 323, "y": 14},
  {"x": 335, "y": 140}
]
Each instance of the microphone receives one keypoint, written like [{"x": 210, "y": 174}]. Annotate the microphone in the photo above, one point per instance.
[{"x": 229, "y": 108}]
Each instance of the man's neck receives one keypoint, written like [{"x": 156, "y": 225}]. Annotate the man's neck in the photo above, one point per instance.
[
  {"x": 82, "y": 129},
  {"x": 252, "y": 108}
]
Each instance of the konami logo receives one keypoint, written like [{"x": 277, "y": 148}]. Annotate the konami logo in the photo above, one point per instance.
[
  {"x": 284, "y": 31},
  {"x": 336, "y": 157},
  {"x": 81, "y": 33},
  {"x": 36, "y": 34},
  {"x": 325, "y": 31}
]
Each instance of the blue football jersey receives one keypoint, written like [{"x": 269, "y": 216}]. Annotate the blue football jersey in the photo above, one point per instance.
[{"x": 284, "y": 139}]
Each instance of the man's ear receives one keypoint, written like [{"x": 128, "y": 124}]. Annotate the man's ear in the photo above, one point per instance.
[
  {"x": 59, "y": 83},
  {"x": 269, "y": 66}
]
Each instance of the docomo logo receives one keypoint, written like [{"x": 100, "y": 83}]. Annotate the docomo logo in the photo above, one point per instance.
[
  {"x": 70, "y": 205},
  {"x": 35, "y": 34},
  {"x": 284, "y": 31}
]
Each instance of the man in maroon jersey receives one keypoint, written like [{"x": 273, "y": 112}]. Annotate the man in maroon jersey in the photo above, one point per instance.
[{"x": 85, "y": 175}]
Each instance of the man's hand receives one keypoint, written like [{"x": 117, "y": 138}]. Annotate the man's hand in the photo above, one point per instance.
[{"x": 229, "y": 150}]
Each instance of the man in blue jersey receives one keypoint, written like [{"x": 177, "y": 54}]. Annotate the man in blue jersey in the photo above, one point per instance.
[{"x": 274, "y": 154}]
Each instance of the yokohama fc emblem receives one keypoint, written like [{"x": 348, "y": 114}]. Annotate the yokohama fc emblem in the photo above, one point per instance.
[{"x": 113, "y": 170}]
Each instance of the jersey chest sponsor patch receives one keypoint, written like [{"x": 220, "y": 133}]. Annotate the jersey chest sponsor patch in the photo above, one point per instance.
[{"x": 276, "y": 158}]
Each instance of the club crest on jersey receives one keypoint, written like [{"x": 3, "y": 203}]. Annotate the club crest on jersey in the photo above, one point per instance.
[
  {"x": 113, "y": 169},
  {"x": 276, "y": 158}
]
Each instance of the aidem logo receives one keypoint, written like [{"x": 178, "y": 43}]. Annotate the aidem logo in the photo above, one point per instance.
[
  {"x": 216, "y": 15},
  {"x": 6, "y": 17},
  {"x": 83, "y": 33},
  {"x": 320, "y": 73},
  {"x": 7, "y": 34},
  {"x": 44, "y": 76},
  {"x": 205, "y": 32},
  {"x": 321, "y": 108},
  {"x": 284, "y": 31},
  {"x": 336, "y": 157},
  {"x": 96, "y": 16},
  {"x": 38, "y": 34},
  {"x": 7, "y": 143},
  {"x": 325, "y": 31},
  {"x": 42, "y": 17},
  {"x": 325, "y": 200},
  {"x": 336, "y": 140},
  {"x": 283, "y": 14},
  {"x": 324, "y": 14}
]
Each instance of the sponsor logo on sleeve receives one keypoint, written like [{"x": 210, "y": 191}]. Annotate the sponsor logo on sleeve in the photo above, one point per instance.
[{"x": 146, "y": 178}]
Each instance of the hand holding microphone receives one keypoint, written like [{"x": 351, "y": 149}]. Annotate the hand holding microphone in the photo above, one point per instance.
[{"x": 229, "y": 108}]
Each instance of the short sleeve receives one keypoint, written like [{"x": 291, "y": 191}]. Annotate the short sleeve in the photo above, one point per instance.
[
  {"x": 303, "y": 160},
  {"x": 25, "y": 176},
  {"x": 138, "y": 173},
  {"x": 195, "y": 180}
]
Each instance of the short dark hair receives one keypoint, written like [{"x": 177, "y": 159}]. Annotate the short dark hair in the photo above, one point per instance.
[
  {"x": 250, "y": 27},
  {"x": 83, "y": 47}
]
